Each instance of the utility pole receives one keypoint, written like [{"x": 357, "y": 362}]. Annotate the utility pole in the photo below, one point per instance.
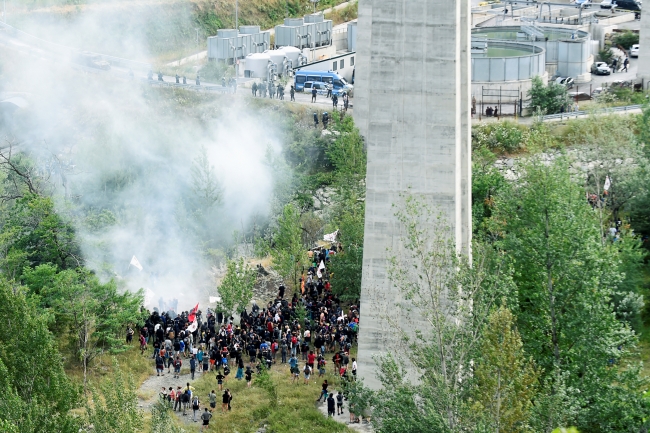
[
  {"x": 197, "y": 35},
  {"x": 236, "y": 14}
]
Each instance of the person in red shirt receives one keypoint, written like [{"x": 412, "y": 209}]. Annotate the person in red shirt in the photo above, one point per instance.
[{"x": 310, "y": 359}]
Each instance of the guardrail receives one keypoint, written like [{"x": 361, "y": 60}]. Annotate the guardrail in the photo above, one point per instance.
[
  {"x": 577, "y": 114},
  {"x": 218, "y": 89}
]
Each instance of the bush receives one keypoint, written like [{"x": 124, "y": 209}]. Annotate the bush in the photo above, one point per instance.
[
  {"x": 626, "y": 39},
  {"x": 499, "y": 136},
  {"x": 548, "y": 99}
]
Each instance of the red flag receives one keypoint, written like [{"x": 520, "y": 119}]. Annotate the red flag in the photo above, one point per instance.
[{"x": 192, "y": 316}]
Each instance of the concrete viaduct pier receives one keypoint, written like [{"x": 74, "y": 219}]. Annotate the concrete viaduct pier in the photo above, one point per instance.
[{"x": 412, "y": 106}]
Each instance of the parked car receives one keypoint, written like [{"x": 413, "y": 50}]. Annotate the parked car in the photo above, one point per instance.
[
  {"x": 321, "y": 88},
  {"x": 607, "y": 4},
  {"x": 92, "y": 60},
  {"x": 630, "y": 5},
  {"x": 565, "y": 81},
  {"x": 584, "y": 3},
  {"x": 634, "y": 51},
  {"x": 601, "y": 68}
]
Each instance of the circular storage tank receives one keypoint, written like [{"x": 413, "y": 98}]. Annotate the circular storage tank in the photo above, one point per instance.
[
  {"x": 257, "y": 65},
  {"x": 508, "y": 61},
  {"x": 292, "y": 54},
  {"x": 227, "y": 33},
  {"x": 278, "y": 57}
]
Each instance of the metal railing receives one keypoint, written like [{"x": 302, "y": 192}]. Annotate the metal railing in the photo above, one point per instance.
[{"x": 577, "y": 114}]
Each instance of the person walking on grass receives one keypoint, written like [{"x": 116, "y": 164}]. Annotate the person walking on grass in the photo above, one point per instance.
[
  {"x": 323, "y": 393},
  {"x": 330, "y": 405},
  {"x": 220, "y": 377},
  {"x": 205, "y": 416},
  {"x": 307, "y": 372},
  {"x": 249, "y": 376},
  {"x": 225, "y": 401},
  {"x": 213, "y": 400}
]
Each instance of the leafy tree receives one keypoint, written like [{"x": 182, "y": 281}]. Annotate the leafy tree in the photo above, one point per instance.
[
  {"x": 288, "y": 253},
  {"x": 548, "y": 99},
  {"x": 114, "y": 407},
  {"x": 626, "y": 39},
  {"x": 565, "y": 279},
  {"x": 445, "y": 306},
  {"x": 505, "y": 379},
  {"x": 37, "y": 395},
  {"x": 93, "y": 315},
  {"x": 264, "y": 380},
  {"x": 236, "y": 288},
  {"x": 35, "y": 234},
  {"x": 205, "y": 186},
  {"x": 347, "y": 213}
]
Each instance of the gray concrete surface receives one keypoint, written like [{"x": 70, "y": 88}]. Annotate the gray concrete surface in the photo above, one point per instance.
[
  {"x": 644, "y": 46},
  {"x": 412, "y": 106}
]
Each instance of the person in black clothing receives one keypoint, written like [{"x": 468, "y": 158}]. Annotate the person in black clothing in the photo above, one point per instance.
[
  {"x": 313, "y": 94},
  {"x": 339, "y": 403},
  {"x": 293, "y": 93},
  {"x": 330, "y": 405},
  {"x": 315, "y": 120},
  {"x": 178, "y": 79},
  {"x": 281, "y": 290}
]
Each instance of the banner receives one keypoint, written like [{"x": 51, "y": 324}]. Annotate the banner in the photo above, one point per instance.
[{"x": 192, "y": 316}]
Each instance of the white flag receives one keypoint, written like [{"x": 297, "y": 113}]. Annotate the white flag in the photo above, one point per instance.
[
  {"x": 136, "y": 263},
  {"x": 331, "y": 237},
  {"x": 319, "y": 274},
  {"x": 321, "y": 266},
  {"x": 193, "y": 327},
  {"x": 608, "y": 183}
]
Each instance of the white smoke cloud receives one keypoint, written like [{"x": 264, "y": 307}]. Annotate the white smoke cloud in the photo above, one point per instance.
[{"x": 126, "y": 149}]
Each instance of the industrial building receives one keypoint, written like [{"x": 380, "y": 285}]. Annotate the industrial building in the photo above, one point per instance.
[
  {"x": 230, "y": 45},
  {"x": 312, "y": 31}
]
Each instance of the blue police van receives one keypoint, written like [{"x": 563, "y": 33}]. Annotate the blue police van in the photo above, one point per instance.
[{"x": 339, "y": 84}]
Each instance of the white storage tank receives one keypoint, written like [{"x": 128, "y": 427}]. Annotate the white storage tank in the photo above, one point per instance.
[
  {"x": 278, "y": 57},
  {"x": 257, "y": 65},
  {"x": 292, "y": 54}
]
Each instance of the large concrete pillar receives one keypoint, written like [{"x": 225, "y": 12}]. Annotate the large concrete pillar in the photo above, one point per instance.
[
  {"x": 644, "y": 47},
  {"x": 412, "y": 102}
]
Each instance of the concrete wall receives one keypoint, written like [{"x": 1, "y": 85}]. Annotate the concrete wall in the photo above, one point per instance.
[
  {"x": 644, "y": 46},
  {"x": 412, "y": 101}
]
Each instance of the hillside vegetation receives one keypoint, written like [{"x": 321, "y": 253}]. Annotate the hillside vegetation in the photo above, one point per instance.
[{"x": 154, "y": 30}]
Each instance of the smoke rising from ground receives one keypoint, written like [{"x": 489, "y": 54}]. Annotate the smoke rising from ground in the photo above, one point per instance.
[{"x": 126, "y": 164}]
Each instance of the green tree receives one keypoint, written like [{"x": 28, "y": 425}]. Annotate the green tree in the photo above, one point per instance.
[
  {"x": 288, "y": 253},
  {"x": 347, "y": 212},
  {"x": 548, "y": 99},
  {"x": 35, "y": 234},
  {"x": 205, "y": 186},
  {"x": 37, "y": 394},
  {"x": 236, "y": 288},
  {"x": 505, "y": 379},
  {"x": 93, "y": 315},
  {"x": 565, "y": 280},
  {"x": 626, "y": 39},
  {"x": 114, "y": 407},
  {"x": 444, "y": 307}
]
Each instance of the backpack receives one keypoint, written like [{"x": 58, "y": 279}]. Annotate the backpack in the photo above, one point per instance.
[
  {"x": 294, "y": 340},
  {"x": 339, "y": 398},
  {"x": 195, "y": 405}
]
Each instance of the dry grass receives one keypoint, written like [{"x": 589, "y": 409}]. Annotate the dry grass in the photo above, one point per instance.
[{"x": 343, "y": 15}]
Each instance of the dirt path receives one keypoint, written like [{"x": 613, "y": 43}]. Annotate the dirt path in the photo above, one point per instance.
[
  {"x": 345, "y": 418},
  {"x": 151, "y": 388}
]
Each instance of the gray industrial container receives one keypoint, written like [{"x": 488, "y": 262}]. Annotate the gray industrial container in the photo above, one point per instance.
[
  {"x": 314, "y": 18},
  {"x": 293, "y": 22},
  {"x": 352, "y": 36},
  {"x": 249, "y": 30},
  {"x": 227, "y": 33}
]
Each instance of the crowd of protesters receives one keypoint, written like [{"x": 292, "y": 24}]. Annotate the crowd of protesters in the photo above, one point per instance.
[{"x": 309, "y": 333}]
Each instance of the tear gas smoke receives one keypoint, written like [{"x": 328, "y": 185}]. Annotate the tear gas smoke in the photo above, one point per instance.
[{"x": 138, "y": 168}]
